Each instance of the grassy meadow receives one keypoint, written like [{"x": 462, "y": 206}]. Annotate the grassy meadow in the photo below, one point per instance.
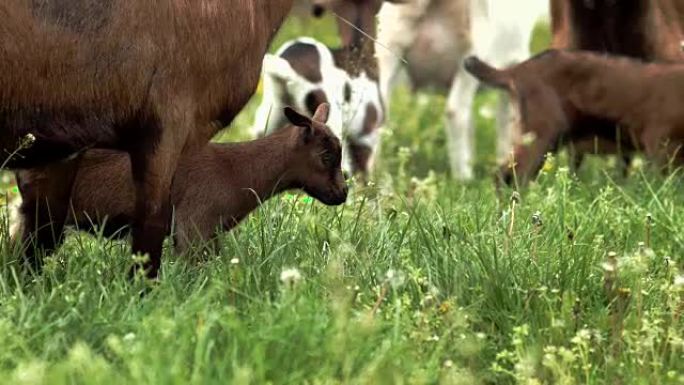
[{"x": 418, "y": 279}]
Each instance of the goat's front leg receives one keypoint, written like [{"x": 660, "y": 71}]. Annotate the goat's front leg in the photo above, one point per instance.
[
  {"x": 153, "y": 171},
  {"x": 388, "y": 67},
  {"x": 363, "y": 152},
  {"x": 459, "y": 125},
  {"x": 657, "y": 149}
]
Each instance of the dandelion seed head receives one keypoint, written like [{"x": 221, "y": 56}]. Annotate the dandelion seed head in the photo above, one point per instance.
[
  {"x": 649, "y": 218},
  {"x": 28, "y": 140},
  {"x": 537, "y": 218},
  {"x": 290, "y": 277}
]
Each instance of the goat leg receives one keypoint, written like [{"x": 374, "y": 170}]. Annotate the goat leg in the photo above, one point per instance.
[
  {"x": 153, "y": 170},
  {"x": 459, "y": 125},
  {"x": 46, "y": 193}
]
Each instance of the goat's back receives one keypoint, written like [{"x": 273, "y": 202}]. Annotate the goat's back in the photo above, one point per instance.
[{"x": 104, "y": 72}]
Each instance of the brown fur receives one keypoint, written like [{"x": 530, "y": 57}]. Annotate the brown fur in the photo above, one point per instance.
[
  {"x": 357, "y": 59},
  {"x": 434, "y": 58},
  {"x": 646, "y": 29},
  {"x": 155, "y": 78},
  {"x": 360, "y": 13},
  {"x": 358, "y": 51},
  {"x": 556, "y": 89},
  {"x": 215, "y": 187}
]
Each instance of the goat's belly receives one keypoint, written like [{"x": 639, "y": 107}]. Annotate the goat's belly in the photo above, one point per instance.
[
  {"x": 434, "y": 57},
  {"x": 103, "y": 191},
  {"x": 35, "y": 137}
]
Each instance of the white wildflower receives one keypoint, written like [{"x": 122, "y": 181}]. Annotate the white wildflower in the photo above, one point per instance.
[
  {"x": 582, "y": 336},
  {"x": 609, "y": 267},
  {"x": 290, "y": 277},
  {"x": 679, "y": 281},
  {"x": 395, "y": 278},
  {"x": 234, "y": 261},
  {"x": 448, "y": 363}
]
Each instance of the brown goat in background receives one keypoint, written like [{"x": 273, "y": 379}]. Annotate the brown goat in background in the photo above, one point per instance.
[
  {"x": 646, "y": 29},
  {"x": 650, "y": 30},
  {"x": 554, "y": 90}
]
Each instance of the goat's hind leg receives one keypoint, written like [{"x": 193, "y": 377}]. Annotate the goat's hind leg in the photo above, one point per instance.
[
  {"x": 45, "y": 205},
  {"x": 459, "y": 125}
]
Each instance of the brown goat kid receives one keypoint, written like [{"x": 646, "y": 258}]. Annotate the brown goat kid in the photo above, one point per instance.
[
  {"x": 650, "y": 30},
  {"x": 217, "y": 186},
  {"x": 556, "y": 88},
  {"x": 154, "y": 78}
]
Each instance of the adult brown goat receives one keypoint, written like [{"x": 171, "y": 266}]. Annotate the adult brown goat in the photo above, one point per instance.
[{"x": 155, "y": 78}]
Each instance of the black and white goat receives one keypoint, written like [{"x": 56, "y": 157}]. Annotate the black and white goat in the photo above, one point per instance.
[{"x": 304, "y": 73}]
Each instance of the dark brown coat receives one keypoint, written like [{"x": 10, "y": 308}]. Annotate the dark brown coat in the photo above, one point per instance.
[
  {"x": 217, "y": 186},
  {"x": 557, "y": 89},
  {"x": 155, "y": 78},
  {"x": 644, "y": 29}
]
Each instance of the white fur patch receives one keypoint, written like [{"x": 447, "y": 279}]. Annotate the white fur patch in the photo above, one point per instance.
[{"x": 346, "y": 118}]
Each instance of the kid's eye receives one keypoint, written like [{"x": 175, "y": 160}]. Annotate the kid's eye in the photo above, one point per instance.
[{"x": 327, "y": 159}]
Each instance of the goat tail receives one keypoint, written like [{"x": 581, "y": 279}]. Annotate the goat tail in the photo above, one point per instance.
[{"x": 487, "y": 74}]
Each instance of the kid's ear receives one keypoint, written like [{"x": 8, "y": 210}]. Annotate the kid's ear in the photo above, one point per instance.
[
  {"x": 302, "y": 121},
  {"x": 278, "y": 68},
  {"x": 296, "y": 118},
  {"x": 322, "y": 113}
]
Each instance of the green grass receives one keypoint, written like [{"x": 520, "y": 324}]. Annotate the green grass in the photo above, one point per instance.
[{"x": 416, "y": 280}]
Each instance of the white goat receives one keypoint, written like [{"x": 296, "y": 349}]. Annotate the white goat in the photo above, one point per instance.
[{"x": 435, "y": 36}]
